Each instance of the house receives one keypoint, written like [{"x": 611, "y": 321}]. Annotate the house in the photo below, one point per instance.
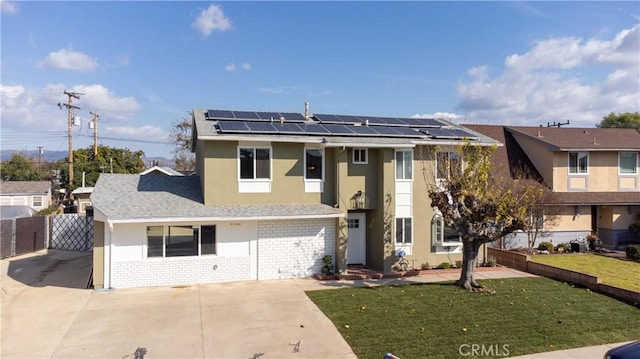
[
  {"x": 163, "y": 171},
  {"x": 35, "y": 194},
  {"x": 592, "y": 173},
  {"x": 82, "y": 197},
  {"x": 273, "y": 194}
]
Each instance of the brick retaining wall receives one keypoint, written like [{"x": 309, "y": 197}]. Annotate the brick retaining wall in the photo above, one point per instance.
[{"x": 523, "y": 262}]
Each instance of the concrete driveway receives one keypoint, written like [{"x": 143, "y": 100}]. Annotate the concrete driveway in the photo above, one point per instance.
[{"x": 46, "y": 313}]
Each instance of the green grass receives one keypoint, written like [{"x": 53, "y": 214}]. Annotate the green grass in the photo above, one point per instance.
[
  {"x": 612, "y": 271},
  {"x": 528, "y": 315}
]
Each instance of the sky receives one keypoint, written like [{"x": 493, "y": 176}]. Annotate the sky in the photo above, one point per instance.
[{"x": 143, "y": 65}]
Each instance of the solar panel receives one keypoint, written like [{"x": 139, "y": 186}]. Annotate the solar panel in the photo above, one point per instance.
[
  {"x": 269, "y": 115},
  {"x": 220, "y": 114},
  {"x": 372, "y": 120},
  {"x": 233, "y": 127},
  {"x": 349, "y": 119},
  {"x": 462, "y": 134},
  {"x": 328, "y": 119},
  {"x": 392, "y": 121},
  {"x": 408, "y": 132},
  {"x": 338, "y": 129},
  {"x": 427, "y": 122},
  {"x": 261, "y": 127},
  {"x": 447, "y": 133},
  {"x": 314, "y": 129},
  {"x": 288, "y": 128},
  {"x": 293, "y": 117},
  {"x": 364, "y": 130},
  {"x": 247, "y": 115},
  {"x": 386, "y": 131}
]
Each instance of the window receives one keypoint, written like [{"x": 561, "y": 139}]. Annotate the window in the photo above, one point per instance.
[
  {"x": 628, "y": 162},
  {"x": 313, "y": 164},
  {"x": 353, "y": 223},
  {"x": 443, "y": 235},
  {"x": 360, "y": 156},
  {"x": 255, "y": 163},
  {"x": 37, "y": 201},
  {"x": 179, "y": 241},
  {"x": 404, "y": 165},
  {"x": 578, "y": 162},
  {"x": 448, "y": 164},
  {"x": 403, "y": 230}
]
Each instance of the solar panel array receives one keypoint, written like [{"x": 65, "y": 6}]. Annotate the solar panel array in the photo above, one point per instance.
[{"x": 287, "y": 123}]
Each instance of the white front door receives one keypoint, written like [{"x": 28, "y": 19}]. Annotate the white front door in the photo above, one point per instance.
[{"x": 357, "y": 238}]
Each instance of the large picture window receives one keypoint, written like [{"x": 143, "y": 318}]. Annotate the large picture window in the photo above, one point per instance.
[
  {"x": 404, "y": 165},
  {"x": 313, "y": 164},
  {"x": 578, "y": 162},
  {"x": 255, "y": 163},
  {"x": 179, "y": 241},
  {"x": 628, "y": 162}
]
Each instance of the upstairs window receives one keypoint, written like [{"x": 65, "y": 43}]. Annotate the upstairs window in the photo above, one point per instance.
[
  {"x": 404, "y": 165},
  {"x": 255, "y": 163},
  {"x": 578, "y": 163},
  {"x": 448, "y": 165},
  {"x": 628, "y": 162},
  {"x": 360, "y": 156},
  {"x": 313, "y": 164}
]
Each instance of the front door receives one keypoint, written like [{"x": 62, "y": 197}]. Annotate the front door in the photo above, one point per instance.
[{"x": 357, "y": 238}]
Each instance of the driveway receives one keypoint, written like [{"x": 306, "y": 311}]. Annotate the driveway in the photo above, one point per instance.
[{"x": 46, "y": 313}]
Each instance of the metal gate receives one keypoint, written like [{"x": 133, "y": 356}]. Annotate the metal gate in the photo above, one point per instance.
[{"x": 71, "y": 232}]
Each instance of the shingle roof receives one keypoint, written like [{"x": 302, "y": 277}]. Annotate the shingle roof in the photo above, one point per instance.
[
  {"x": 600, "y": 198},
  {"x": 593, "y": 139},
  {"x": 25, "y": 187},
  {"x": 136, "y": 197}
]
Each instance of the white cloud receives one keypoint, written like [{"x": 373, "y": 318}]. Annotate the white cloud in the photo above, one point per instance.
[
  {"x": 444, "y": 115},
  {"x": 8, "y": 7},
  {"x": 211, "y": 19},
  {"x": 100, "y": 99},
  {"x": 65, "y": 59},
  {"x": 549, "y": 82},
  {"x": 246, "y": 66},
  {"x": 231, "y": 67},
  {"x": 143, "y": 132}
]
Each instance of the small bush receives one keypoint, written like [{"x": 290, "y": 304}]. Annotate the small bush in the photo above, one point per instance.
[
  {"x": 327, "y": 268},
  {"x": 545, "y": 246},
  {"x": 458, "y": 264},
  {"x": 425, "y": 266},
  {"x": 491, "y": 262},
  {"x": 633, "y": 251},
  {"x": 444, "y": 265},
  {"x": 562, "y": 247}
]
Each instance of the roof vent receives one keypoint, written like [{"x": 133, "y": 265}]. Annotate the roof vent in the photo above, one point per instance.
[
  {"x": 539, "y": 134},
  {"x": 585, "y": 132},
  {"x": 306, "y": 109},
  {"x": 594, "y": 141}
]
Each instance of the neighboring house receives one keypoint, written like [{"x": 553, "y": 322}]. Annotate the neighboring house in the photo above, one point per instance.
[
  {"x": 273, "y": 194},
  {"x": 35, "y": 194},
  {"x": 592, "y": 172},
  {"x": 163, "y": 171},
  {"x": 81, "y": 196}
]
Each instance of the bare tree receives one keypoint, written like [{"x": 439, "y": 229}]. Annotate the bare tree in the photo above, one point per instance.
[
  {"x": 181, "y": 139},
  {"x": 479, "y": 207}
]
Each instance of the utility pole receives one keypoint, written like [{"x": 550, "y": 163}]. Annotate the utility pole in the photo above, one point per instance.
[
  {"x": 70, "y": 107},
  {"x": 40, "y": 157},
  {"x": 95, "y": 134}
]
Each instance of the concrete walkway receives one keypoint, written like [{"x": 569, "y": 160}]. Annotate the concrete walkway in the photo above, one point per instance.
[
  {"x": 594, "y": 352},
  {"x": 47, "y": 313}
]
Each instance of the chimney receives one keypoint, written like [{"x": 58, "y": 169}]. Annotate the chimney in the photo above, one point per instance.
[{"x": 306, "y": 110}]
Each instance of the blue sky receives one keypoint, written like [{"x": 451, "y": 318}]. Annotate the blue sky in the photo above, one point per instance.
[{"x": 144, "y": 65}]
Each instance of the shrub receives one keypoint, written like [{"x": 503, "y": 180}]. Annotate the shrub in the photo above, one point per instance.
[
  {"x": 327, "y": 268},
  {"x": 491, "y": 261},
  {"x": 458, "y": 264},
  {"x": 444, "y": 265},
  {"x": 633, "y": 251},
  {"x": 562, "y": 247},
  {"x": 545, "y": 246},
  {"x": 425, "y": 266}
]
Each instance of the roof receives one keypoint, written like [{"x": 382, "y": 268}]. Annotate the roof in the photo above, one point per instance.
[
  {"x": 588, "y": 139},
  {"x": 25, "y": 187},
  {"x": 136, "y": 198},
  {"x": 599, "y": 198},
  {"x": 328, "y": 130},
  {"x": 164, "y": 170},
  {"x": 82, "y": 190}
]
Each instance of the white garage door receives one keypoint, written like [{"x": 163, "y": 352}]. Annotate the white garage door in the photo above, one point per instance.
[{"x": 293, "y": 248}]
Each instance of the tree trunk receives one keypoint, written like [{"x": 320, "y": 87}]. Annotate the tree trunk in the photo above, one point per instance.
[{"x": 470, "y": 249}]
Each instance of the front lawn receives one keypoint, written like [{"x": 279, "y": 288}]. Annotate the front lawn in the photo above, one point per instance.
[
  {"x": 612, "y": 271},
  {"x": 525, "y": 315}
]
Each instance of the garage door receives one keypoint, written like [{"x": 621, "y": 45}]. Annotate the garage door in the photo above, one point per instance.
[{"x": 293, "y": 248}]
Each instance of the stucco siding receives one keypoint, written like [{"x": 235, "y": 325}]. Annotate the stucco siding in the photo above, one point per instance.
[{"x": 541, "y": 157}]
